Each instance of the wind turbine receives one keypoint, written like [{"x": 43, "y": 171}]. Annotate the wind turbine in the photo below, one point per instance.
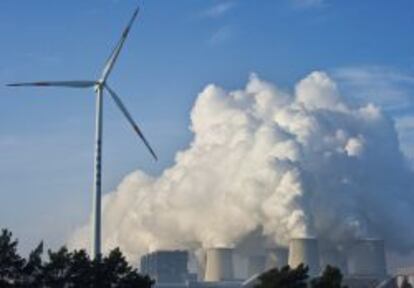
[{"x": 99, "y": 86}]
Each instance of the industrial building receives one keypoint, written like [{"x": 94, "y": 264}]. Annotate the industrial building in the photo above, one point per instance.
[
  {"x": 166, "y": 266},
  {"x": 362, "y": 263}
]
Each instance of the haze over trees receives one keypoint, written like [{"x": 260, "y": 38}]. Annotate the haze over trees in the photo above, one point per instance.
[
  {"x": 64, "y": 268},
  {"x": 287, "y": 277}
]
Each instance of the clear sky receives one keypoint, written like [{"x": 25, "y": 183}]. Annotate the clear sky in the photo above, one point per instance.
[{"x": 174, "y": 50}]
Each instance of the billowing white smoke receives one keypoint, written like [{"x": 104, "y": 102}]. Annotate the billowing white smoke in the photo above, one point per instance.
[{"x": 307, "y": 164}]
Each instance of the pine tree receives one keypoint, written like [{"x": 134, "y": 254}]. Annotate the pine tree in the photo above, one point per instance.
[
  {"x": 405, "y": 283},
  {"x": 56, "y": 270},
  {"x": 330, "y": 278},
  {"x": 81, "y": 270},
  {"x": 285, "y": 277},
  {"x": 11, "y": 263},
  {"x": 65, "y": 269},
  {"x": 32, "y": 272}
]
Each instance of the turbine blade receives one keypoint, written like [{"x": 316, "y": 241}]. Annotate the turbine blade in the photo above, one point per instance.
[
  {"x": 70, "y": 84},
  {"x": 131, "y": 121},
  {"x": 115, "y": 53}
]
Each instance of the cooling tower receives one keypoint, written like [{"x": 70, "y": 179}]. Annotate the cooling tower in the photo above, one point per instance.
[
  {"x": 256, "y": 265},
  {"x": 276, "y": 257},
  {"x": 333, "y": 257},
  {"x": 367, "y": 258},
  {"x": 219, "y": 265},
  {"x": 304, "y": 250}
]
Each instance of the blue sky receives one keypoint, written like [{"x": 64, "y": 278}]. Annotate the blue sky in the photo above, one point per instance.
[{"x": 174, "y": 50}]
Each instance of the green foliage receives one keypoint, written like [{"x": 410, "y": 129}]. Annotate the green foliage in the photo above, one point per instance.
[
  {"x": 11, "y": 263},
  {"x": 32, "y": 272},
  {"x": 331, "y": 278},
  {"x": 299, "y": 278},
  {"x": 57, "y": 270},
  {"x": 65, "y": 269},
  {"x": 81, "y": 270},
  {"x": 285, "y": 277},
  {"x": 114, "y": 271},
  {"x": 406, "y": 284}
]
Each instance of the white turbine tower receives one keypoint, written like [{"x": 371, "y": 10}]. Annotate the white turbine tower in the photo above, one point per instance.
[{"x": 99, "y": 86}]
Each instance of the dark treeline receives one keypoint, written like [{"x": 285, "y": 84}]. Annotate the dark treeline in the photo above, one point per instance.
[
  {"x": 64, "y": 268},
  {"x": 299, "y": 278}
]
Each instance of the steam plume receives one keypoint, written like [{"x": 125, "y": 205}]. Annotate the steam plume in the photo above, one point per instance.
[{"x": 301, "y": 164}]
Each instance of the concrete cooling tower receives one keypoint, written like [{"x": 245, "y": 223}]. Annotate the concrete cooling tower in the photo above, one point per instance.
[
  {"x": 256, "y": 265},
  {"x": 276, "y": 257},
  {"x": 219, "y": 265},
  {"x": 304, "y": 250},
  {"x": 332, "y": 257},
  {"x": 367, "y": 258}
]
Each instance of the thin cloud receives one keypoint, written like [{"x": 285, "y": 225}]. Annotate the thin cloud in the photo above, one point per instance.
[
  {"x": 307, "y": 3},
  {"x": 405, "y": 128},
  {"x": 218, "y": 10},
  {"x": 384, "y": 86},
  {"x": 220, "y": 36},
  {"x": 390, "y": 89}
]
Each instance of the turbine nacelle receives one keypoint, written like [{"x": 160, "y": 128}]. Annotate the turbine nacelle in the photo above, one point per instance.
[{"x": 98, "y": 85}]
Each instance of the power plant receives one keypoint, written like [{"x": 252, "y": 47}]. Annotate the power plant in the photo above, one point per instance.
[
  {"x": 166, "y": 266},
  {"x": 219, "y": 265},
  {"x": 362, "y": 263},
  {"x": 276, "y": 257},
  {"x": 256, "y": 264},
  {"x": 367, "y": 257},
  {"x": 304, "y": 251}
]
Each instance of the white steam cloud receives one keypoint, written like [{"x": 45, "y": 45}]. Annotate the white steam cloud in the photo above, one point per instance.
[{"x": 307, "y": 164}]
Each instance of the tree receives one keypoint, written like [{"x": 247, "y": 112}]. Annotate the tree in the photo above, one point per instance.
[
  {"x": 114, "y": 271},
  {"x": 81, "y": 270},
  {"x": 330, "y": 278},
  {"x": 32, "y": 271},
  {"x": 134, "y": 279},
  {"x": 11, "y": 263},
  {"x": 56, "y": 271},
  {"x": 405, "y": 283},
  {"x": 285, "y": 277},
  {"x": 65, "y": 269}
]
